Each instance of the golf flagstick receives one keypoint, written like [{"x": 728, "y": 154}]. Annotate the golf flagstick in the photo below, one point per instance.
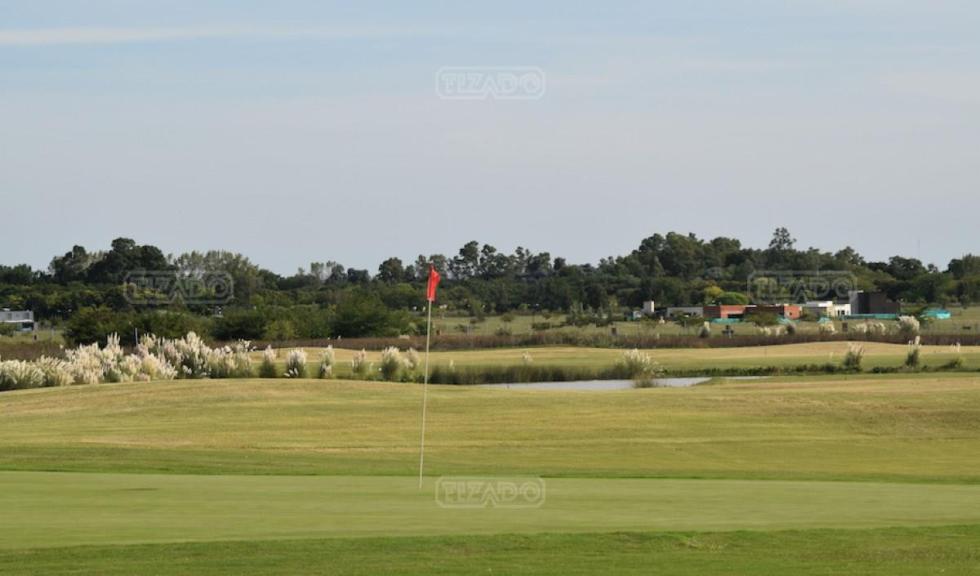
[{"x": 430, "y": 296}]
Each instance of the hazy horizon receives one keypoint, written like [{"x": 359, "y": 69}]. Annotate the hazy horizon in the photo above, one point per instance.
[{"x": 310, "y": 131}]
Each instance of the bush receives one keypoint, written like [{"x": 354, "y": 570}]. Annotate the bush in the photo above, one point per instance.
[
  {"x": 296, "y": 363},
  {"x": 763, "y": 318},
  {"x": 640, "y": 367},
  {"x": 412, "y": 361},
  {"x": 280, "y": 330},
  {"x": 326, "y": 363},
  {"x": 20, "y": 375},
  {"x": 56, "y": 372},
  {"x": 359, "y": 364},
  {"x": 912, "y": 358},
  {"x": 231, "y": 361},
  {"x": 391, "y": 363},
  {"x": 366, "y": 315},
  {"x": 908, "y": 326},
  {"x": 853, "y": 357},
  {"x": 268, "y": 367},
  {"x": 239, "y": 325}
]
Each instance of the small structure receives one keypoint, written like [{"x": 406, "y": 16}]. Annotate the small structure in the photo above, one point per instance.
[
  {"x": 649, "y": 308},
  {"x": 827, "y": 309},
  {"x": 725, "y": 311},
  {"x": 872, "y": 303},
  {"x": 23, "y": 320},
  {"x": 740, "y": 311},
  {"x": 679, "y": 311}
]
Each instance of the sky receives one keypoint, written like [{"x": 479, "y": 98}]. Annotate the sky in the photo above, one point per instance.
[{"x": 299, "y": 131}]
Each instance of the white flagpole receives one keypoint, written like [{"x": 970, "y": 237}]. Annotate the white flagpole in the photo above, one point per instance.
[{"x": 425, "y": 389}]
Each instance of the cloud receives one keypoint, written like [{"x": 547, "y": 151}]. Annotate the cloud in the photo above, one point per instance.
[{"x": 128, "y": 35}]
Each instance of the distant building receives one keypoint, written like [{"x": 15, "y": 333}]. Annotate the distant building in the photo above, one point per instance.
[
  {"x": 725, "y": 311},
  {"x": 787, "y": 311},
  {"x": 871, "y": 303},
  {"x": 678, "y": 311},
  {"x": 22, "y": 319},
  {"x": 740, "y": 311},
  {"x": 649, "y": 309},
  {"x": 827, "y": 309}
]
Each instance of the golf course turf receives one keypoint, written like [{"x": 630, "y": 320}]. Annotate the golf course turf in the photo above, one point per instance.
[{"x": 869, "y": 474}]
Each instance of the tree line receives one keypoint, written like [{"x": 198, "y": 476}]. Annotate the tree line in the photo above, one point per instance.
[{"x": 88, "y": 290}]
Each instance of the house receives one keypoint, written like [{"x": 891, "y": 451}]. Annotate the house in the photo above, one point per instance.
[
  {"x": 827, "y": 309},
  {"x": 876, "y": 303},
  {"x": 787, "y": 311},
  {"x": 22, "y": 319},
  {"x": 725, "y": 311},
  {"x": 739, "y": 311}
]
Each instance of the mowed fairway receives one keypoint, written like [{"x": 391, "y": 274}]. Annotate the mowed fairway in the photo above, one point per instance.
[
  {"x": 863, "y": 474},
  {"x": 877, "y": 354}
]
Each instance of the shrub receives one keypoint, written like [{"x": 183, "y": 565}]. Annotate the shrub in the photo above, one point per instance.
[
  {"x": 56, "y": 372},
  {"x": 19, "y": 375},
  {"x": 268, "y": 367},
  {"x": 296, "y": 363},
  {"x": 640, "y": 367},
  {"x": 507, "y": 317},
  {"x": 827, "y": 328},
  {"x": 413, "y": 361},
  {"x": 280, "y": 330},
  {"x": 762, "y": 318},
  {"x": 791, "y": 329},
  {"x": 235, "y": 324},
  {"x": 359, "y": 363},
  {"x": 908, "y": 326},
  {"x": 954, "y": 364},
  {"x": 912, "y": 358},
  {"x": 853, "y": 357},
  {"x": 391, "y": 363},
  {"x": 231, "y": 361},
  {"x": 326, "y": 363}
]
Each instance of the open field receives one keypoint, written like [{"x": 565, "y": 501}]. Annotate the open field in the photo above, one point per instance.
[
  {"x": 810, "y": 475},
  {"x": 964, "y": 320},
  {"x": 680, "y": 359}
]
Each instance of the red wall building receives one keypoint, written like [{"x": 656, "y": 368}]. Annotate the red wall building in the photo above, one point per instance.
[{"x": 737, "y": 311}]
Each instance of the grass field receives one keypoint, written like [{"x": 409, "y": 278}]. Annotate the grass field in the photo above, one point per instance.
[
  {"x": 964, "y": 320},
  {"x": 684, "y": 359},
  {"x": 816, "y": 475}
]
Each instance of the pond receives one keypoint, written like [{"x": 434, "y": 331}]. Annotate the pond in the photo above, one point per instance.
[{"x": 598, "y": 384}]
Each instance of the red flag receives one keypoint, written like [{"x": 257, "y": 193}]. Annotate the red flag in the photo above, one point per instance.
[{"x": 433, "y": 282}]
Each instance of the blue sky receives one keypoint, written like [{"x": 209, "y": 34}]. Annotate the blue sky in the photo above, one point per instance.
[{"x": 301, "y": 131}]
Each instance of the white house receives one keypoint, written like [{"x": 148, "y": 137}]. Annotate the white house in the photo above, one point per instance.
[
  {"x": 827, "y": 308},
  {"x": 649, "y": 308},
  {"x": 23, "y": 319}
]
